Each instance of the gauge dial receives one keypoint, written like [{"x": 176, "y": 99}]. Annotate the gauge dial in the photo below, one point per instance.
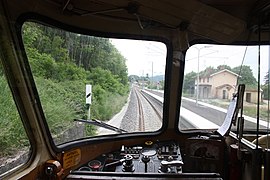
[
  {"x": 204, "y": 150},
  {"x": 149, "y": 152},
  {"x": 94, "y": 165}
]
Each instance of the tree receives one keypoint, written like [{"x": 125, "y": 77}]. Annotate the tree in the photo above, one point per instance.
[
  {"x": 133, "y": 78},
  {"x": 265, "y": 87},
  {"x": 221, "y": 67},
  {"x": 246, "y": 75},
  {"x": 208, "y": 71},
  {"x": 266, "y": 78},
  {"x": 84, "y": 51},
  {"x": 189, "y": 82}
]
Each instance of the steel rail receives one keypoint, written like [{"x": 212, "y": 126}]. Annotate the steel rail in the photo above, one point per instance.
[
  {"x": 140, "y": 109},
  {"x": 148, "y": 99}
]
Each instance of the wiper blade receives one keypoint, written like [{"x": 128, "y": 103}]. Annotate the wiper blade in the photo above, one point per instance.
[{"x": 101, "y": 124}]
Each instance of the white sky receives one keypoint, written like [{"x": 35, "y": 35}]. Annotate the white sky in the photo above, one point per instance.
[
  {"x": 214, "y": 55},
  {"x": 141, "y": 54}
]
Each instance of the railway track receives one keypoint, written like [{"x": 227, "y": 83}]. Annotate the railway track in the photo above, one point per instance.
[
  {"x": 149, "y": 112},
  {"x": 142, "y": 113},
  {"x": 140, "y": 110},
  {"x": 158, "y": 111}
]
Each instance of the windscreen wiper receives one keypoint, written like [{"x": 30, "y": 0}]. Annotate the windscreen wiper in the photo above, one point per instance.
[{"x": 101, "y": 124}]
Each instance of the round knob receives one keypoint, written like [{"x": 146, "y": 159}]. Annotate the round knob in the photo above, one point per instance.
[
  {"x": 145, "y": 159},
  {"x": 128, "y": 164},
  {"x": 128, "y": 159}
]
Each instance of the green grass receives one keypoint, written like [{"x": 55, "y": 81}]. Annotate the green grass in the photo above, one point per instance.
[
  {"x": 65, "y": 101},
  {"x": 58, "y": 104},
  {"x": 252, "y": 112},
  {"x": 248, "y": 110},
  {"x": 62, "y": 102}
]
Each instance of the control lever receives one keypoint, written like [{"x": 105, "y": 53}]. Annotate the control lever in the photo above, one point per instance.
[
  {"x": 164, "y": 165},
  {"x": 128, "y": 164},
  {"x": 145, "y": 160},
  {"x": 116, "y": 163}
]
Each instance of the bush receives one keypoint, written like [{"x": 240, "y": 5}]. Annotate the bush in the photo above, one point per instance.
[{"x": 12, "y": 134}]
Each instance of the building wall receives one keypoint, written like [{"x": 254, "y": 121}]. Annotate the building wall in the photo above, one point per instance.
[
  {"x": 253, "y": 96},
  {"x": 204, "y": 91},
  {"x": 228, "y": 93},
  {"x": 222, "y": 86},
  {"x": 221, "y": 79}
]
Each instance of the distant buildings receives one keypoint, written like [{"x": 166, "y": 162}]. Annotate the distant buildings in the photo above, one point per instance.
[{"x": 222, "y": 85}]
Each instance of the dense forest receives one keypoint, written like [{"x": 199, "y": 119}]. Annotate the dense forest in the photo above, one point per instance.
[
  {"x": 66, "y": 62},
  {"x": 62, "y": 64}
]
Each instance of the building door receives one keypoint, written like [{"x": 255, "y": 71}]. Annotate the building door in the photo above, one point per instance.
[
  {"x": 224, "y": 94},
  {"x": 205, "y": 92},
  {"x": 248, "y": 97}
]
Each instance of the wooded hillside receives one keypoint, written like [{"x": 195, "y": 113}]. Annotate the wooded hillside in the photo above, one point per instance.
[
  {"x": 62, "y": 64},
  {"x": 73, "y": 60}
]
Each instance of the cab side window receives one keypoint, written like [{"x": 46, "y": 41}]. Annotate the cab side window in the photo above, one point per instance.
[{"x": 14, "y": 144}]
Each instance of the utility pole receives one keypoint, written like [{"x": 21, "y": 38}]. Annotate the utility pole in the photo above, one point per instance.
[
  {"x": 198, "y": 71},
  {"x": 152, "y": 74}
]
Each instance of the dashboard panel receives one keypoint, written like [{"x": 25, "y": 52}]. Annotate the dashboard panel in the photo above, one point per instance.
[
  {"x": 152, "y": 160},
  {"x": 159, "y": 157}
]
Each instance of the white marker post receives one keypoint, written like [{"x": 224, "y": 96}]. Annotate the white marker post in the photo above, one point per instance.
[{"x": 88, "y": 96}]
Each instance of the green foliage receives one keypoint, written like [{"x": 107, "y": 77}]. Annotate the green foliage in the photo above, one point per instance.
[
  {"x": 43, "y": 65},
  {"x": 107, "y": 81},
  {"x": 133, "y": 78},
  {"x": 208, "y": 71},
  {"x": 221, "y": 67},
  {"x": 265, "y": 87},
  {"x": 58, "y": 52},
  {"x": 246, "y": 78},
  {"x": 12, "y": 134},
  {"x": 266, "y": 78},
  {"x": 108, "y": 104},
  {"x": 266, "y": 92},
  {"x": 63, "y": 102},
  {"x": 85, "y": 51},
  {"x": 31, "y": 34},
  {"x": 189, "y": 82},
  {"x": 62, "y": 63},
  {"x": 246, "y": 75}
]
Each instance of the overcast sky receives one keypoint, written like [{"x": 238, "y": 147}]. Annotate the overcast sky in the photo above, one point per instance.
[
  {"x": 214, "y": 55},
  {"x": 141, "y": 55}
]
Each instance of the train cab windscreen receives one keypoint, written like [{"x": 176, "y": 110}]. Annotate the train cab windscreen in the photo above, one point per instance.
[
  {"x": 90, "y": 86},
  {"x": 212, "y": 76}
]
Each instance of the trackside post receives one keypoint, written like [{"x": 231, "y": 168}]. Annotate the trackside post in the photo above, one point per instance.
[{"x": 88, "y": 100}]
